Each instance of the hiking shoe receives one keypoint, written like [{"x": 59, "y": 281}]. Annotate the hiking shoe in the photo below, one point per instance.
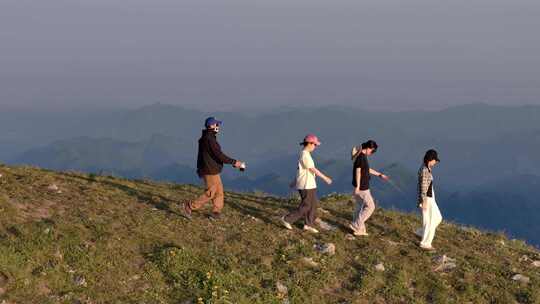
[
  {"x": 285, "y": 223},
  {"x": 358, "y": 232},
  {"x": 214, "y": 216},
  {"x": 310, "y": 229},
  {"x": 187, "y": 210},
  {"x": 427, "y": 248}
]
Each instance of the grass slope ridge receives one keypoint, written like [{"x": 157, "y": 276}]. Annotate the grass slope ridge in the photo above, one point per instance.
[{"x": 107, "y": 240}]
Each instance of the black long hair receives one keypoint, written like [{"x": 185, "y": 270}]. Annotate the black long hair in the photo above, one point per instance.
[
  {"x": 370, "y": 144},
  {"x": 431, "y": 155}
]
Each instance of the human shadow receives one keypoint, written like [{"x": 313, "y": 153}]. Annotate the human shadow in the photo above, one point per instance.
[
  {"x": 234, "y": 201},
  {"x": 347, "y": 217},
  {"x": 254, "y": 212},
  {"x": 145, "y": 197},
  {"x": 339, "y": 226}
]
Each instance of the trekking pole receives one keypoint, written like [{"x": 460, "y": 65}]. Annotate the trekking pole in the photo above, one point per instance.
[{"x": 396, "y": 187}]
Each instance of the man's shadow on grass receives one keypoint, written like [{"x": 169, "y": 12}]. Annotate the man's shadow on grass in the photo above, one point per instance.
[
  {"x": 142, "y": 196},
  {"x": 233, "y": 201},
  {"x": 164, "y": 203}
]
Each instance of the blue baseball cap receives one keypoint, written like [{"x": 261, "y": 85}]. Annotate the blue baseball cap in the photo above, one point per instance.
[{"x": 212, "y": 121}]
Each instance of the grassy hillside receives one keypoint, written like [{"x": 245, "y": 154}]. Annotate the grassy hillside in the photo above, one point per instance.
[{"x": 106, "y": 240}]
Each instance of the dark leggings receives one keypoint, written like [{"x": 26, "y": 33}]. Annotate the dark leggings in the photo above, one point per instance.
[{"x": 307, "y": 208}]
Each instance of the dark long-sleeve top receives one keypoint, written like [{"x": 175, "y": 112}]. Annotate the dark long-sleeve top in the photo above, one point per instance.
[{"x": 210, "y": 158}]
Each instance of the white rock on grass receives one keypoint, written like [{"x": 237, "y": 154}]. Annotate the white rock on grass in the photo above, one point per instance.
[
  {"x": 282, "y": 289},
  {"x": 446, "y": 267},
  {"x": 80, "y": 281},
  {"x": 251, "y": 217},
  {"x": 310, "y": 262},
  {"x": 444, "y": 259},
  {"x": 445, "y": 263},
  {"x": 380, "y": 267},
  {"x": 521, "y": 279},
  {"x": 524, "y": 258},
  {"x": 329, "y": 249},
  {"x": 53, "y": 187},
  {"x": 325, "y": 226},
  {"x": 392, "y": 243},
  {"x": 536, "y": 264},
  {"x": 322, "y": 210}
]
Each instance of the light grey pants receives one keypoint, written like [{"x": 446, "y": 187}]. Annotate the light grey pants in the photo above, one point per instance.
[{"x": 365, "y": 206}]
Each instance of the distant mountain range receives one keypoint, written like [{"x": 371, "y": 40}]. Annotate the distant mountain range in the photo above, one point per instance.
[
  {"x": 488, "y": 152},
  {"x": 131, "y": 159},
  {"x": 478, "y": 142},
  {"x": 510, "y": 205}
]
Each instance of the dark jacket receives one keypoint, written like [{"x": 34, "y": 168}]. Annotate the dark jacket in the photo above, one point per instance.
[{"x": 210, "y": 159}]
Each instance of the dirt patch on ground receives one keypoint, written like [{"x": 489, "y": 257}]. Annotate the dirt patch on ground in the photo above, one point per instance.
[
  {"x": 43, "y": 289},
  {"x": 36, "y": 211}
]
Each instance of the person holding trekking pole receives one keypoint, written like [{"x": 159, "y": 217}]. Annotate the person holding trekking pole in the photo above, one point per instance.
[
  {"x": 210, "y": 161},
  {"x": 307, "y": 187},
  {"x": 365, "y": 204},
  {"x": 431, "y": 215}
]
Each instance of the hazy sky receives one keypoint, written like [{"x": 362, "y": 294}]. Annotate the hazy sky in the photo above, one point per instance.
[{"x": 229, "y": 53}]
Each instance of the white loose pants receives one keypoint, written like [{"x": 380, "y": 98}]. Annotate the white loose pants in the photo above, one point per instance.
[{"x": 431, "y": 218}]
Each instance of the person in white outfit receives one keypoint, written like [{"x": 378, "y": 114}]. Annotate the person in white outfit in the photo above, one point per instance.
[{"x": 431, "y": 215}]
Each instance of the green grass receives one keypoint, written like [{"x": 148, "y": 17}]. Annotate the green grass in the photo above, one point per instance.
[{"x": 110, "y": 240}]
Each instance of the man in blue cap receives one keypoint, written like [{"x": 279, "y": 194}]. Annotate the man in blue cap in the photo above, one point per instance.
[{"x": 210, "y": 162}]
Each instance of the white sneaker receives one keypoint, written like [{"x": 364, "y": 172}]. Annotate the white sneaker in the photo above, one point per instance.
[
  {"x": 310, "y": 229},
  {"x": 358, "y": 232},
  {"x": 427, "y": 248},
  {"x": 361, "y": 233},
  {"x": 285, "y": 223}
]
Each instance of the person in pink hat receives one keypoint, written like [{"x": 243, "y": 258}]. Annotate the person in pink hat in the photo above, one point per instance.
[{"x": 307, "y": 187}]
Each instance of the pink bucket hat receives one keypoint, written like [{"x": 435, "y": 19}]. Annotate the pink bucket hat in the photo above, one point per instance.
[{"x": 311, "y": 139}]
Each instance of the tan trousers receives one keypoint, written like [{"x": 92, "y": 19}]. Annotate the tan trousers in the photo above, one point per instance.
[{"x": 214, "y": 192}]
